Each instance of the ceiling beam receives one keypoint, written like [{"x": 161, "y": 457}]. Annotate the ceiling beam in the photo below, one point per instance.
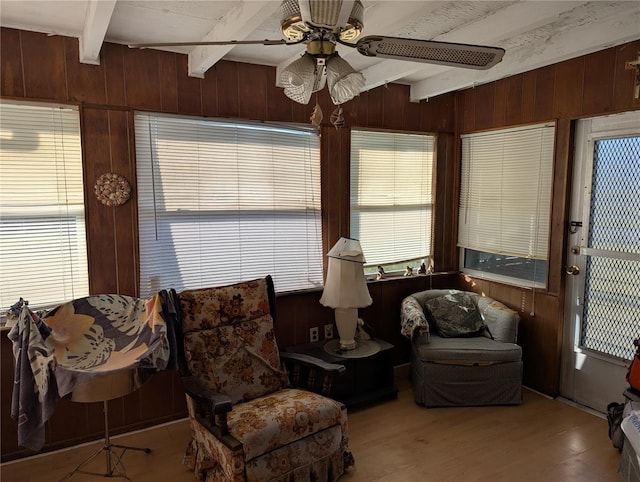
[
  {"x": 239, "y": 22},
  {"x": 557, "y": 47},
  {"x": 96, "y": 22},
  {"x": 517, "y": 18}
]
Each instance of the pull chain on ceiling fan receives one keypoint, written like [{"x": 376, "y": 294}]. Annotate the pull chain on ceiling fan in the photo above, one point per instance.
[{"x": 321, "y": 24}]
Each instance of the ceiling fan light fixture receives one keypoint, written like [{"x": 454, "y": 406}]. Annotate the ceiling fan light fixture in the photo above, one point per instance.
[
  {"x": 299, "y": 97},
  {"x": 322, "y": 14},
  {"x": 291, "y": 23},
  {"x": 320, "y": 78},
  {"x": 355, "y": 24},
  {"x": 342, "y": 17},
  {"x": 322, "y": 48},
  {"x": 343, "y": 81},
  {"x": 299, "y": 79},
  {"x": 299, "y": 17},
  {"x": 296, "y": 75}
]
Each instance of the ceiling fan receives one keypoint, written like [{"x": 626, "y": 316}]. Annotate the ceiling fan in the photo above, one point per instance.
[{"x": 321, "y": 24}]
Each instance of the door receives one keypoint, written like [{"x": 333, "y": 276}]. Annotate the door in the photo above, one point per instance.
[{"x": 602, "y": 309}]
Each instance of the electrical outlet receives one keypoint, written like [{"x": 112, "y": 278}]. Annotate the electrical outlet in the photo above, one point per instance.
[
  {"x": 314, "y": 334},
  {"x": 328, "y": 332}
]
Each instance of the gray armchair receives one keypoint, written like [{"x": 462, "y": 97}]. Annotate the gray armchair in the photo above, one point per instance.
[{"x": 463, "y": 349}]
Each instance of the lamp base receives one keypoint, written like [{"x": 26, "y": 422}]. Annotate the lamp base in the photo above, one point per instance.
[
  {"x": 363, "y": 348},
  {"x": 346, "y": 346},
  {"x": 346, "y": 323}
]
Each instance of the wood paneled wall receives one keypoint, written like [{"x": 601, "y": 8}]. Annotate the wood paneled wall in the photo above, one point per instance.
[
  {"x": 592, "y": 85},
  {"x": 41, "y": 68}
]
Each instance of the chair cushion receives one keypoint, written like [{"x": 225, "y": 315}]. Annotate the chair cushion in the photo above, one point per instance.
[
  {"x": 241, "y": 361},
  {"x": 473, "y": 350},
  {"x": 280, "y": 418},
  {"x": 225, "y": 305},
  {"x": 455, "y": 314},
  {"x": 229, "y": 341}
]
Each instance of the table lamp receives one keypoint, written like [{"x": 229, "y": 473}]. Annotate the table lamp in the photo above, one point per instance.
[{"x": 345, "y": 288}]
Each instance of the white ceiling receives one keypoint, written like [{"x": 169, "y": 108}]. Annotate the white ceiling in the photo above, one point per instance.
[{"x": 533, "y": 33}]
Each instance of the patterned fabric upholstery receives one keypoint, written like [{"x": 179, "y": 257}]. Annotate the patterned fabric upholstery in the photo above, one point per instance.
[
  {"x": 455, "y": 315},
  {"x": 229, "y": 340},
  {"x": 286, "y": 434},
  {"x": 77, "y": 343},
  {"x": 272, "y": 415},
  {"x": 412, "y": 318}
]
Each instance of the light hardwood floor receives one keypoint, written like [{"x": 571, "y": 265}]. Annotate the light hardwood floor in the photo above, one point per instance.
[{"x": 399, "y": 441}]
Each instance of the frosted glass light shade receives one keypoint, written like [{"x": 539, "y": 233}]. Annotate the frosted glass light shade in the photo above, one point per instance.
[
  {"x": 343, "y": 82},
  {"x": 299, "y": 79}
]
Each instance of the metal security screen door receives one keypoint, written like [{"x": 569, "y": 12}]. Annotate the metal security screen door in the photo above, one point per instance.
[
  {"x": 611, "y": 315},
  {"x": 603, "y": 286}
]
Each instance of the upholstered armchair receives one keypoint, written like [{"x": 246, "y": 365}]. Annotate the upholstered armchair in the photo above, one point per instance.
[
  {"x": 463, "y": 349},
  {"x": 248, "y": 422}
]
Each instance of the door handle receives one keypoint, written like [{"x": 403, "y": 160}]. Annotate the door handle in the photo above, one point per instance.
[{"x": 572, "y": 270}]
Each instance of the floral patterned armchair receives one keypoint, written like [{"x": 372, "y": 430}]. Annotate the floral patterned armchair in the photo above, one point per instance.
[{"x": 248, "y": 423}]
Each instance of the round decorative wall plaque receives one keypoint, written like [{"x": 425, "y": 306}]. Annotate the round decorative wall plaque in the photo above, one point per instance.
[{"x": 112, "y": 189}]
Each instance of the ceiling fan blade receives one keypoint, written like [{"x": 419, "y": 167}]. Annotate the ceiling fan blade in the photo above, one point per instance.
[
  {"x": 224, "y": 42},
  {"x": 429, "y": 51}
]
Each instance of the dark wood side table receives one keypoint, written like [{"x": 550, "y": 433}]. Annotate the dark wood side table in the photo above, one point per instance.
[{"x": 367, "y": 379}]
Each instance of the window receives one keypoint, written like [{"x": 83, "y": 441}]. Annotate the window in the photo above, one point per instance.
[
  {"x": 43, "y": 252},
  {"x": 221, "y": 202},
  {"x": 505, "y": 203},
  {"x": 391, "y": 197}
]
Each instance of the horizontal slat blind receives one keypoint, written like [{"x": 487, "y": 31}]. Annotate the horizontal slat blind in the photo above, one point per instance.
[
  {"x": 391, "y": 198},
  {"x": 221, "y": 202},
  {"x": 43, "y": 252},
  {"x": 505, "y": 195}
]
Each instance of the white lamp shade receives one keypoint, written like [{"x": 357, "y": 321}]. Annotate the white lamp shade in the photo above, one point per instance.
[
  {"x": 346, "y": 286},
  {"x": 347, "y": 249}
]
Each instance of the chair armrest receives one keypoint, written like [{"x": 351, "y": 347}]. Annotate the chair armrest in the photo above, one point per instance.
[
  {"x": 311, "y": 373},
  {"x": 195, "y": 389},
  {"x": 412, "y": 319},
  {"x": 211, "y": 411},
  {"x": 313, "y": 362}
]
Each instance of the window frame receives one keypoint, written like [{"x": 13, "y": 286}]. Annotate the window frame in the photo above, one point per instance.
[
  {"x": 66, "y": 221},
  {"x": 397, "y": 267},
  {"x": 546, "y": 148},
  {"x": 298, "y": 214}
]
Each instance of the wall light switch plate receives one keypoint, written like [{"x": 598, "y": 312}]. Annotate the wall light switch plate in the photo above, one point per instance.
[
  {"x": 328, "y": 332},
  {"x": 314, "y": 334}
]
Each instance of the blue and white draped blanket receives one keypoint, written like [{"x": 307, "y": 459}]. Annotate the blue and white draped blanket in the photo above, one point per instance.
[{"x": 78, "y": 342}]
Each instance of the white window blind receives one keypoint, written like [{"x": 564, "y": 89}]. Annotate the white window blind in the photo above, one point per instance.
[
  {"x": 43, "y": 252},
  {"x": 221, "y": 202},
  {"x": 505, "y": 195},
  {"x": 391, "y": 195}
]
